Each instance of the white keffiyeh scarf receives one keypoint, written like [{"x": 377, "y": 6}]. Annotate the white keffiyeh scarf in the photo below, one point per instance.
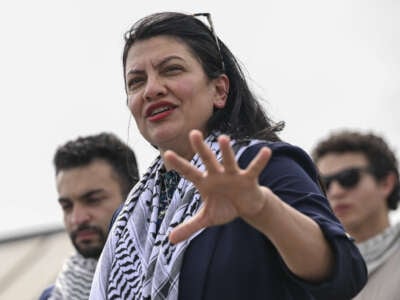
[
  {"x": 75, "y": 279},
  {"x": 378, "y": 249},
  {"x": 139, "y": 262}
]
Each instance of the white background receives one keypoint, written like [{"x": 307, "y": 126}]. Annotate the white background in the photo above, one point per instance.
[{"x": 318, "y": 65}]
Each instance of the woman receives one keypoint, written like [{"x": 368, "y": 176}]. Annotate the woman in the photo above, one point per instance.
[{"x": 237, "y": 215}]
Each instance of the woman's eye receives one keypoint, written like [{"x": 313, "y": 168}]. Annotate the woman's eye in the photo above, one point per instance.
[
  {"x": 173, "y": 69},
  {"x": 134, "y": 82}
]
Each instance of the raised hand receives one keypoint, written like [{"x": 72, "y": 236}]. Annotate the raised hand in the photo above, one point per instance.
[{"x": 227, "y": 190}]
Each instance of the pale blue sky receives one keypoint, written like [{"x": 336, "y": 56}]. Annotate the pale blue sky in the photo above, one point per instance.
[{"x": 319, "y": 65}]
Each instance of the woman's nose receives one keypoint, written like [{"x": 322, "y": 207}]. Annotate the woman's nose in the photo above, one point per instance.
[{"x": 155, "y": 88}]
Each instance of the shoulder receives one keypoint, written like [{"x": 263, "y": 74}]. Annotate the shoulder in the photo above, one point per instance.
[
  {"x": 284, "y": 157},
  {"x": 278, "y": 148},
  {"x": 46, "y": 293}
]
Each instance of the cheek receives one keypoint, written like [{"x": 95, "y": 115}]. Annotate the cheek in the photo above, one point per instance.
[
  {"x": 367, "y": 189},
  {"x": 103, "y": 218},
  {"x": 365, "y": 198},
  {"x": 185, "y": 89},
  {"x": 67, "y": 222},
  {"x": 198, "y": 97},
  {"x": 134, "y": 106}
]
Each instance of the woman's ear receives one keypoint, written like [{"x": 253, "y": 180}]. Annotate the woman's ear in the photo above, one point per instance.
[{"x": 221, "y": 91}]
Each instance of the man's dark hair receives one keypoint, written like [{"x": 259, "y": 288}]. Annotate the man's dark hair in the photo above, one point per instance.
[
  {"x": 106, "y": 146},
  {"x": 381, "y": 158}
]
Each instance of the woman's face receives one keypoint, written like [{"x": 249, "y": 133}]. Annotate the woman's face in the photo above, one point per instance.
[{"x": 169, "y": 93}]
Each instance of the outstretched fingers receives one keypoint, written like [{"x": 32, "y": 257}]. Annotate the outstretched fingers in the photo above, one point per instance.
[
  {"x": 182, "y": 166},
  {"x": 228, "y": 156},
  {"x": 207, "y": 156},
  {"x": 256, "y": 166}
]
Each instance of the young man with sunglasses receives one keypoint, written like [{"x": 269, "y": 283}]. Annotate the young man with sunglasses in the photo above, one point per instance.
[{"x": 361, "y": 178}]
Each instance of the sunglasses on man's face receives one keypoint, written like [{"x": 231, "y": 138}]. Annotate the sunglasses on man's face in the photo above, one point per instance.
[{"x": 347, "y": 178}]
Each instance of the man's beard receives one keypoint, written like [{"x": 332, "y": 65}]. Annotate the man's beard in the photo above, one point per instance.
[{"x": 89, "y": 251}]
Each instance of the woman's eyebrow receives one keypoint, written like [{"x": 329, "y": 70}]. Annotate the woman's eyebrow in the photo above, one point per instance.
[
  {"x": 157, "y": 65},
  {"x": 167, "y": 59}
]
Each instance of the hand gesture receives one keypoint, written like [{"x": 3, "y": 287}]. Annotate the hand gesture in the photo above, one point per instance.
[{"x": 227, "y": 190}]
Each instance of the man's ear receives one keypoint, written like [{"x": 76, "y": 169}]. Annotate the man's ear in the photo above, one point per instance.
[
  {"x": 221, "y": 91},
  {"x": 388, "y": 183}
]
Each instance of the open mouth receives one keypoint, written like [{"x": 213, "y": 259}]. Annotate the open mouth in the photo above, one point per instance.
[{"x": 160, "y": 110}]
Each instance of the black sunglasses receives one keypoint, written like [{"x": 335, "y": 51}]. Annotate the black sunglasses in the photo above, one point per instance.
[{"x": 347, "y": 178}]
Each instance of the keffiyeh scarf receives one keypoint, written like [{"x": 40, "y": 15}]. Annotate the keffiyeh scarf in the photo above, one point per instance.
[
  {"x": 377, "y": 250},
  {"x": 144, "y": 265},
  {"x": 75, "y": 279}
]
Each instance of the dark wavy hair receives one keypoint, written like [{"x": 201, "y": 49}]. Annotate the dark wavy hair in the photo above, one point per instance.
[
  {"x": 106, "y": 146},
  {"x": 242, "y": 117},
  {"x": 381, "y": 158}
]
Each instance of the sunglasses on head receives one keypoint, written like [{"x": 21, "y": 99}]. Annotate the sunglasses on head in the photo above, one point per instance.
[
  {"x": 347, "y": 178},
  {"x": 211, "y": 27}
]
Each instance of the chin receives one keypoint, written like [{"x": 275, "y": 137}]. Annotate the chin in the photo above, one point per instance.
[
  {"x": 349, "y": 225},
  {"x": 90, "y": 252},
  {"x": 163, "y": 134},
  {"x": 89, "y": 249}
]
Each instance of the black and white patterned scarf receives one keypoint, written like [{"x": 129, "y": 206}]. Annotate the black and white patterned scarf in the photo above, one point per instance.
[
  {"x": 75, "y": 279},
  {"x": 139, "y": 262}
]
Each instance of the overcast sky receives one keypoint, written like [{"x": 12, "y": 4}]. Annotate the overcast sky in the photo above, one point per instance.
[{"x": 318, "y": 65}]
